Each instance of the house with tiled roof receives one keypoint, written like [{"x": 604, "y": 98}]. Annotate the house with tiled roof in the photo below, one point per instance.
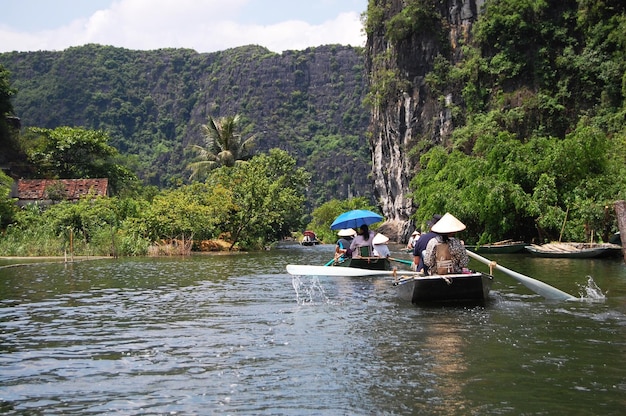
[{"x": 48, "y": 191}]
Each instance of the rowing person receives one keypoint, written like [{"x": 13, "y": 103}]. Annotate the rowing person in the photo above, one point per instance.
[
  {"x": 420, "y": 245},
  {"x": 342, "y": 248}
]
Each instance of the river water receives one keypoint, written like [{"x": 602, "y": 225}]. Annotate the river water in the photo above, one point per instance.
[{"x": 235, "y": 334}]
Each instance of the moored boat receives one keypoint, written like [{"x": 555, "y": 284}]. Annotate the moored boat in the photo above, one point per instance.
[
  {"x": 575, "y": 250},
  {"x": 451, "y": 288},
  {"x": 501, "y": 247}
]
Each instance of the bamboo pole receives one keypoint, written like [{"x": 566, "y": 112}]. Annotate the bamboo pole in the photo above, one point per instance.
[
  {"x": 620, "y": 212},
  {"x": 563, "y": 227}
]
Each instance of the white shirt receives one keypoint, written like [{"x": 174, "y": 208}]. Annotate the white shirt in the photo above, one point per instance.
[{"x": 381, "y": 250}]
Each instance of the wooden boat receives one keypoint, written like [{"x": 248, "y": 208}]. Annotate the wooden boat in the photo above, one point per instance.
[
  {"x": 412, "y": 286},
  {"x": 501, "y": 247},
  {"x": 451, "y": 288},
  {"x": 369, "y": 263},
  {"x": 309, "y": 239},
  {"x": 616, "y": 239},
  {"x": 575, "y": 250}
]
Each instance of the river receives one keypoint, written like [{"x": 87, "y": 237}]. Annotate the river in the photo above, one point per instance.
[{"x": 235, "y": 334}]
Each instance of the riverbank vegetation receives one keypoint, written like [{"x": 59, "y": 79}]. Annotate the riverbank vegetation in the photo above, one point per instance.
[{"x": 245, "y": 206}]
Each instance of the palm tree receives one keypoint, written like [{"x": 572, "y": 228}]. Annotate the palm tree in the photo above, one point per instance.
[{"x": 225, "y": 146}]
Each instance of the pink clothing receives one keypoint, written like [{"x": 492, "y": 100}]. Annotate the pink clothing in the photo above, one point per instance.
[{"x": 360, "y": 241}]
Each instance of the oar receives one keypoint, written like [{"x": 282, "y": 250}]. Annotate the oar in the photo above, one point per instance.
[
  {"x": 329, "y": 263},
  {"x": 308, "y": 270},
  {"x": 409, "y": 262},
  {"x": 536, "y": 286}
]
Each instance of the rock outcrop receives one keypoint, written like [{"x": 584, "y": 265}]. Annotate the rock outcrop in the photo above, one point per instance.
[{"x": 411, "y": 112}]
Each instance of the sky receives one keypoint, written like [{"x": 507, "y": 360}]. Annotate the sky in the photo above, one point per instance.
[{"x": 202, "y": 25}]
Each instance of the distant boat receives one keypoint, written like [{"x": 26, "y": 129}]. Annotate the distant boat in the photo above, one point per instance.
[
  {"x": 501, "y": 247},
  {"x": 575, "y": 250},
  {"x": 309, "y": 239}
]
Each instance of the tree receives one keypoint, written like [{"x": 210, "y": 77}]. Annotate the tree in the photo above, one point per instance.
[
  {"x": 9, "y": 126},
  {"x": 192, "y": 211},
  {"x": 73, "y": 153},
  {"x": 526, "y": 190},
  {"x": 268, "y": 194},
  {"x": 225, "y": 145},
  {"x": 7, "y": 205}
]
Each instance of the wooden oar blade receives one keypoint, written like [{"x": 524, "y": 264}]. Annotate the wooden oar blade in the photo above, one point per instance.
[{"x": 535, "y": 285}]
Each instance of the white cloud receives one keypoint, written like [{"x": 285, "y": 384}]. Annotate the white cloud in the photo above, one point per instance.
[{"x": 205, "y": 26}]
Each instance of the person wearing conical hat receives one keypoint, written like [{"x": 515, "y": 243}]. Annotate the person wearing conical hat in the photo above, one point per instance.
[
  {"x": 445, "y": 254},
  {"x": 342, "y": 248},
  {"x": 380, "y": 245},
  {"x": 412, "y": 239},
  {"x": 420, "y": 245}
]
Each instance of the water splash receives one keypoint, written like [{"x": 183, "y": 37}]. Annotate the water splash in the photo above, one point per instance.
[
  {"x": 591, "y": 292},
  {"x": 312, "y": 292}
]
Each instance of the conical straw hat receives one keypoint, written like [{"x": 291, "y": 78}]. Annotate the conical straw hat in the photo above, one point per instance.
[
  {"x": 380, "y": 239},
  {"x": 346, "y": 232},
  {"x": 448, "y": 224}
]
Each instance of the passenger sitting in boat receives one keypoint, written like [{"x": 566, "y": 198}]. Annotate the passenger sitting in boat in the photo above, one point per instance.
[
  {"x": 446, "y": 254},
  {"x": 412, "y": 239},
  {"x": 380, "y": 246},
  {"x": 362, "y": 246},
  {"x": 420, "y": 246},
  {"x": 342, "y": 249}
]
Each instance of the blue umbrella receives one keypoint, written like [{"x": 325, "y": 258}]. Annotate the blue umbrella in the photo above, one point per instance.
[{"x": 354, "y": 219}]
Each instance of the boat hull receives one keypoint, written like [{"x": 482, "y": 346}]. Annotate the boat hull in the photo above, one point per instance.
[
  {"x": 369, "y": 263},
  {"x": 574, "y": 250},
  {"x": 498, "y": 248},
  {"x": 452, "y": 288}
]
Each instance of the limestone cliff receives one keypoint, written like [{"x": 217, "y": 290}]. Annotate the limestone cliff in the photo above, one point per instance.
[{"x": 405, "y": 37}]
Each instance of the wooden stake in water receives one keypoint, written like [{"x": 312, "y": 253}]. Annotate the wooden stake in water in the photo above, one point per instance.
[{"x": 620, "y": 212}]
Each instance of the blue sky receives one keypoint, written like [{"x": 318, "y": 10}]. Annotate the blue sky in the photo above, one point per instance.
[{"x": 203, "y": 25}]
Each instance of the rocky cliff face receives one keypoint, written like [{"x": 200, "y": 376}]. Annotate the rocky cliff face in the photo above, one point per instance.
[{"x": 412, "y": 113}]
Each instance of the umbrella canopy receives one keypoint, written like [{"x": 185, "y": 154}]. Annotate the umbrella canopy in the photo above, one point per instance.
[{"x": 355, "y": 218}]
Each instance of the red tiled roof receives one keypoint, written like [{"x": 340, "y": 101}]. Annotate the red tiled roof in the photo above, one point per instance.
[{"x": 35, "y": 189}]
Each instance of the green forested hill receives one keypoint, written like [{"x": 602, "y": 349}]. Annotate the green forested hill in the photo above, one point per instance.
[{"x": 152, "y": 103}]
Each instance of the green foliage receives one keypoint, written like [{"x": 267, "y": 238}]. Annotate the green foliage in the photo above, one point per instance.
[
  {"x": 385, "y": 80},
  {"x": 373, "y": 18},
  {"x": 152, "y": 104},
  {"x": 7, "y": 205},
  {"x": 538, "y": 146},
  {"x": 325, "y": 214},
  {"x": 73, "y": 153},
  {"x": 192, "y": 212},
  {"x": 6, "y": 93},
  {"x": 267, "y": 197},
  {"x": 512, "y": 189},
  {"x": 225, "y": 145},
  {"x": 417, "y": 17}
]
